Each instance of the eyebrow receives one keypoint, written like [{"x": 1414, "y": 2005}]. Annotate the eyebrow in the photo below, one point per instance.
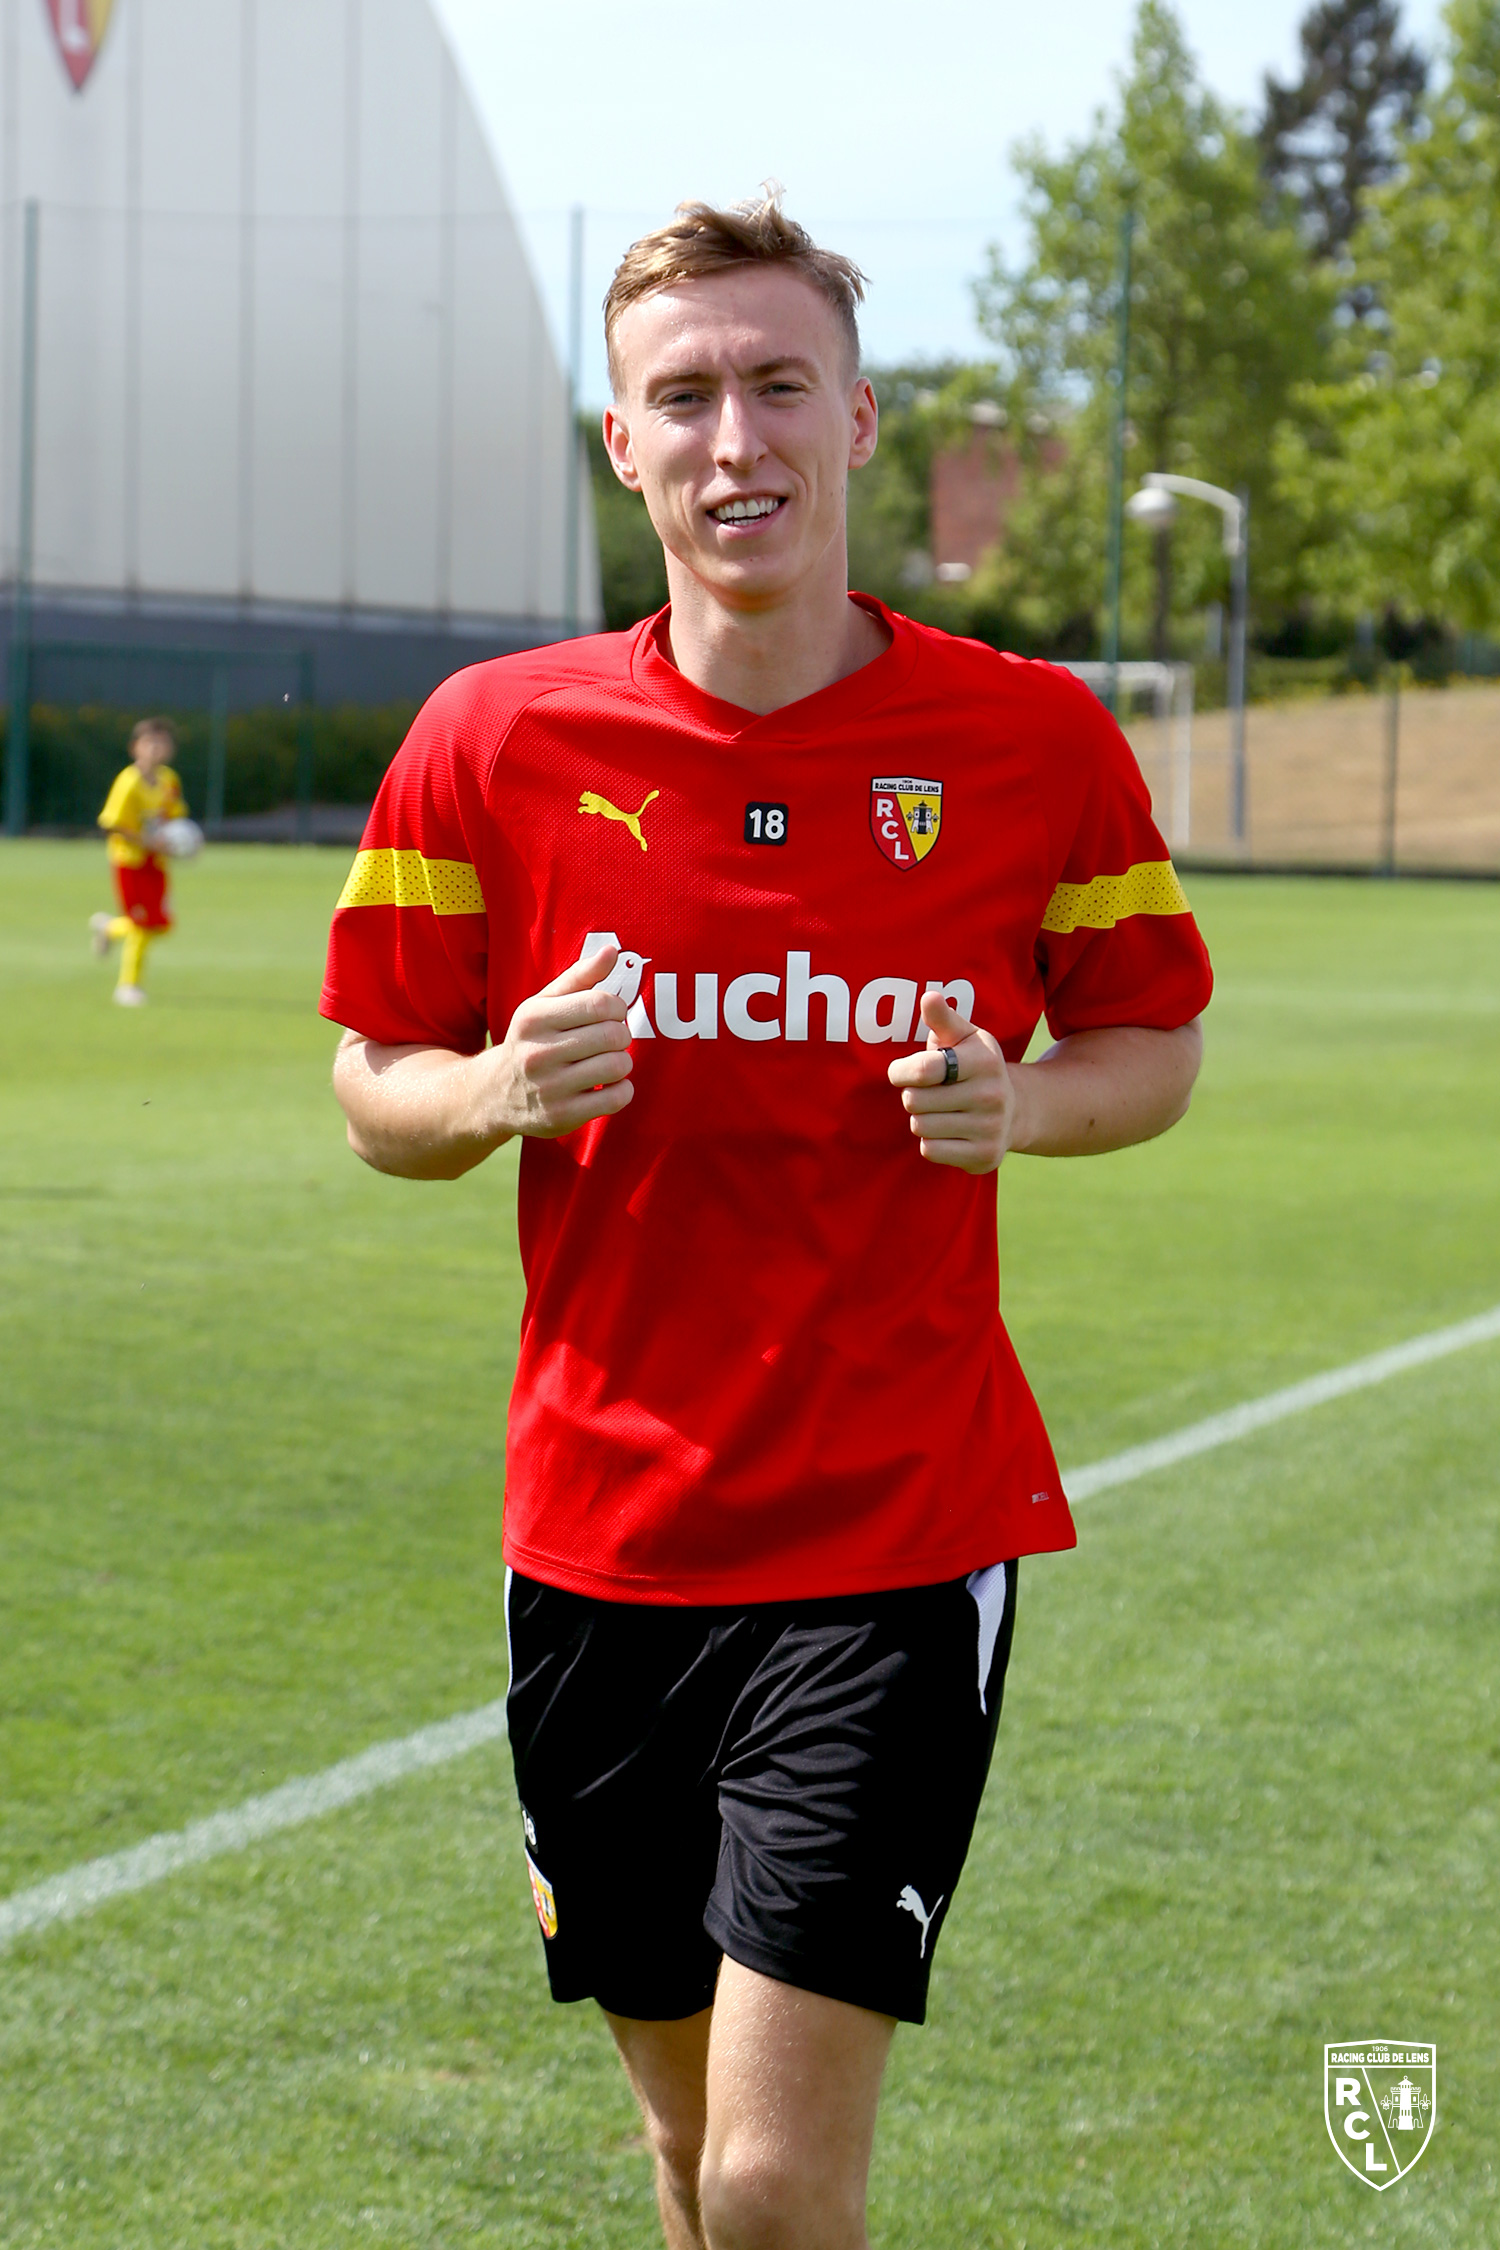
[{"x": 788, "y": 363}]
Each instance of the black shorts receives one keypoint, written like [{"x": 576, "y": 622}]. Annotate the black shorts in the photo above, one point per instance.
[{"x": 794, "y": 1784}]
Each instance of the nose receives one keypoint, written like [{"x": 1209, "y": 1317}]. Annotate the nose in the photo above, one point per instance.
[{"x": 737, "y": 442}]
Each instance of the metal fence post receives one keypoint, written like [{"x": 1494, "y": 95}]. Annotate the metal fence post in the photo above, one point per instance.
[
  {"x": 218, "y": 748},
  {"x": 18, "y": 742},
  {"x": 305, "y": 748},
  {"x": 571, "y": 463},
  {"x": 1182, "y": 757},
  {"x": 1392, "y": 755},
  {"x": 1239, "y": 629}
]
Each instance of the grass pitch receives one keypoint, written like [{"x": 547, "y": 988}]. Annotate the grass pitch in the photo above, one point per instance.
[{"x": 1246, "y": 1795}]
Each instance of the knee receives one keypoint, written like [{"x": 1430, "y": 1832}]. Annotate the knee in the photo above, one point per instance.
[{"x": 757, "y": 2198}]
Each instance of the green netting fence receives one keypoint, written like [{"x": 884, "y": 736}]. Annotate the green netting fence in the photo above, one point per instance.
[{"x": 251, "y": 739}]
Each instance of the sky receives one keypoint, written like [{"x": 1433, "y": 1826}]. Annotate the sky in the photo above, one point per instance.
[{"x": 889, "y": 126}]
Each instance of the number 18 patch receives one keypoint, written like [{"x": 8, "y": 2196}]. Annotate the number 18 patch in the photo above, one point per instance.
[{"x": 906, "y": 817}]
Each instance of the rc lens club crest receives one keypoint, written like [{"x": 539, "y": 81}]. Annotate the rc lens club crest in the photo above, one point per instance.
[
  {"x": 906, "y": 818},
  {"x": 1380, "y": 2105},
  {"x": 79, "y": 27}
]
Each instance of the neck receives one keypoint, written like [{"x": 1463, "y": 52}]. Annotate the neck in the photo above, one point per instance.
[{"x": 762, "y": 659}]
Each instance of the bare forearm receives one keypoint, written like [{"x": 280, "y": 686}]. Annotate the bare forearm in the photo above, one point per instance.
[
  {"x": 411, "y": 1111},
  {"x": 426, "y": 1113},
  {"x": 1104, "y": 1089}
]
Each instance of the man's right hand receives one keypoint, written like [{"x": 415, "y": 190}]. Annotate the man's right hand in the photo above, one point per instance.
[
  {"x": 426, "y": 1113},
  {"x": 565, "y": 1058}
]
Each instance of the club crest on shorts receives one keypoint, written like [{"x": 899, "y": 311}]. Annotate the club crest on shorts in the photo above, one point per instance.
[
  {"x": 906, "y": 817},
  {"x": 1380, "y": 2105},
  {"x": 542, "y": 1898}
]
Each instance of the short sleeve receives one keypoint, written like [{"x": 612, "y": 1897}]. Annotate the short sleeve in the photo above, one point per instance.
[
  {"x": 1118, "y": 943},
  {"x": 408, "y": 950},
  {"x": 120, "y": 806}
]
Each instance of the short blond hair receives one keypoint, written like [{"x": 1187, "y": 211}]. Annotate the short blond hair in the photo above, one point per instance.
[{"x": 701, "y": 240}]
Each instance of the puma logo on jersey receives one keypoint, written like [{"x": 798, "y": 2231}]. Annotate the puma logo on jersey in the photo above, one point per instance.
[
  {"x": 592, "y": 802},
  {"x": 910, "y": 1902}
]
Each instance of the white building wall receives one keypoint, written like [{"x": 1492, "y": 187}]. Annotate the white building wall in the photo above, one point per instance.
[{"x": 290, "y": 350}]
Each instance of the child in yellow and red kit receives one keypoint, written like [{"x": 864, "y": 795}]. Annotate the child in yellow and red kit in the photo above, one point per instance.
[{"x": 147, "y": 790}]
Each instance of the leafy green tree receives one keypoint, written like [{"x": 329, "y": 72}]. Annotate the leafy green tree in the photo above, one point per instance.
[
  {"x": 1335, "y": 134},
  {"x": 632, "y": 573},
  {"x": 1396, "y": 483},
  {"x": 1229, "y": 316},
  {"x": 889, "y": 499}
]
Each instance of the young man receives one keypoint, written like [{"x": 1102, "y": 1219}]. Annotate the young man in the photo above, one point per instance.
[
  {"x": 145, "y": 792},
  {"x": 758, "y": 906}
]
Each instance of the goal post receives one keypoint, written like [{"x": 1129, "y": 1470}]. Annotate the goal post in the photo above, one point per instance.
[{"x": 1170, "y": 688}]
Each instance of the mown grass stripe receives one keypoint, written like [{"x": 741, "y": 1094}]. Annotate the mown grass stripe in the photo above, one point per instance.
[
  {"x": 80, "y": 1889},
  {"x": 1259, "y": 1413}
]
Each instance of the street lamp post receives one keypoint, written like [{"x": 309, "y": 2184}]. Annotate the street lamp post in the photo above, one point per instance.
[
  {"x": 1117, "y": 461},
  {"x": 1154, "y": 505}
]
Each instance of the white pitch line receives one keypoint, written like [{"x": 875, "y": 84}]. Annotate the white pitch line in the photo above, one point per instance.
[
  {"x": 1258, "y": 1413},
  {"x": 80, "y": 1889}
]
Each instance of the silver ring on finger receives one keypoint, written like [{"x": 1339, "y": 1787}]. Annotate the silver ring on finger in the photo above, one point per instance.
[{"x": 950, "y": 1065}]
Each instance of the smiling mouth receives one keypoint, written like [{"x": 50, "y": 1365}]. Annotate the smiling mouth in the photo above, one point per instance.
[{"x": 748, "y": 511}]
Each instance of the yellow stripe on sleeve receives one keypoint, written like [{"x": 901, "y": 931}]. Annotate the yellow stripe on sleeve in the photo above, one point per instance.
[
  {"x": 392, "y": 878},
  {"x": 1150, "y": 887}
]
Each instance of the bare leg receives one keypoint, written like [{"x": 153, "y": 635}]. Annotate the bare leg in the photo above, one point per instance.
[
  {"x": 761, "y": 2115},
  {"x": 793, "y": 2086},
  {"x": 667, "y": 2064}
]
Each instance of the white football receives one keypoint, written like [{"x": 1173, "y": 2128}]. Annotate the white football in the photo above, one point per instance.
[{"x": 179, "y": 839}]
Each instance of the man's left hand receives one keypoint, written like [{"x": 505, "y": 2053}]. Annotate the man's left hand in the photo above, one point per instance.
[{"x": 967, "y": 1122}]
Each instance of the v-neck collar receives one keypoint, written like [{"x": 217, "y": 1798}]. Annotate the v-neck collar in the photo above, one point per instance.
[{"x": 818, "y": 714}]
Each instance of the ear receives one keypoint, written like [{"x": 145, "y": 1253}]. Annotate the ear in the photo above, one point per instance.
[
  {"x": 617, "y": 446},
  {"x": 865, "y": 424}
]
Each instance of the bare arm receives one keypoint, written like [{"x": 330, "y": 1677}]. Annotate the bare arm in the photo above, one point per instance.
[
  {"x": 1097, "y": 1090},
  {"x": 426, "y": 1113}
]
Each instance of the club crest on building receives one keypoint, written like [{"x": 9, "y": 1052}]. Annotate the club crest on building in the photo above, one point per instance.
[
  {"x": 1380, "y": 2105},
  {"x": 906, "y": 817},
  {"x": 79, "y": 27}
]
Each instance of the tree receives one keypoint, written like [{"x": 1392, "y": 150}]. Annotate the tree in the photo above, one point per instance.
[
  {"x": 1397, "y": 480},
  {"x": 1331, "y": 137},
  {"x": 632, "y": 572},
  {"x": 889, "y": 514},
  {"x": 1229, "y": 316}
]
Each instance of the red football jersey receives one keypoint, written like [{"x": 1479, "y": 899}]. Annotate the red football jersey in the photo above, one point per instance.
[{"x": 762, "y": 1355}]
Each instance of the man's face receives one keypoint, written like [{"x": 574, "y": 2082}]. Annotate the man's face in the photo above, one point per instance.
[{"x": 739, "y": 420}]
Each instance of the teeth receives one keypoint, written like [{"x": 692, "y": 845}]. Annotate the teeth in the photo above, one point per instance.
[{"x": 736, "y": 511}]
